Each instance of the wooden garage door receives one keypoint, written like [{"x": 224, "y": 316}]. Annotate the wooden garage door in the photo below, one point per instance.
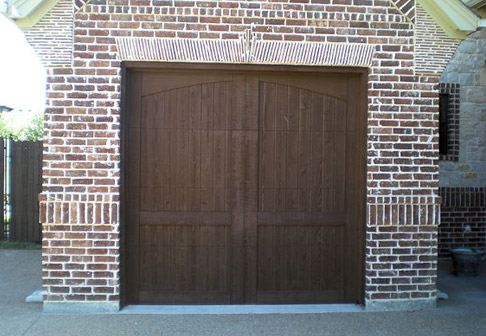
[{"x": 243, "y": 187}]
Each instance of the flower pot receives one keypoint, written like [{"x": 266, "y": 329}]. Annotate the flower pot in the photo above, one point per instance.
[{"x": 466, "y": 260}]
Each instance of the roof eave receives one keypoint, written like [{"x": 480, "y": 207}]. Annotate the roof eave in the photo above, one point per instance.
[
  {"x": 476, "y": 4},
  {"x": 29, "y": 20},
  {"x": 453, "y": 16}
]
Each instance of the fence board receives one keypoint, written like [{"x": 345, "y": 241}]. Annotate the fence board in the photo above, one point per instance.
[
  {"x": 26, "y": 184},
  {"x": 2, "y": 196}
]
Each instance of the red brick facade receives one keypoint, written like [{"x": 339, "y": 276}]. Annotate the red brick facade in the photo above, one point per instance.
[{"x": 80, "y": 199}]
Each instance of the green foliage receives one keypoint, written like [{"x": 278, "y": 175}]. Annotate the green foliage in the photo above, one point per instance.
[{"x": 22, "y": 125}]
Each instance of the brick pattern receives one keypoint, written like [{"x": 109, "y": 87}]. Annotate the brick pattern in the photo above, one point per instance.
[
  {"x": 401, "y": 262},
  {"x": 80, "y": 260},
  {"x": 52, "y": 36},
  {"x": 462, "y": 206},
  {"x": 454, "y": 92},
  {"x": 78, "y": 4},
  {"x": 403, "y": 210},
  {"x": 80, "y": 247},
  {"x": 406, "y": 7},
  {"x": 434, "y": 47},
  {"x": 80, "y": 202},
  {"x": 82, "y": 130},
  {"x": 78, "y": 209}
]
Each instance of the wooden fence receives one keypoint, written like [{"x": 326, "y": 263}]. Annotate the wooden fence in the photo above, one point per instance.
[
  {"x": 3, "y": 161},
  {"x": 23, "y": 183}
]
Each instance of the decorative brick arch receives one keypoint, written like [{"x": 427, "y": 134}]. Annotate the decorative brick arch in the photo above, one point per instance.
[
  {"x": 406, "y": 7},
  {"x": 78, "y": 4},
  {"x": 244, "y": 50}
]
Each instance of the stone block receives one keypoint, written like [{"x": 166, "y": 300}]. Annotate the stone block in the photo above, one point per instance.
[
  {"x": 466, "y": 79},
  {"x": 467, "y": 47},
  {"x": 447, "y": 165},
  {"x": 80, "y": 307},
  {"x": 394, "y": 305}
]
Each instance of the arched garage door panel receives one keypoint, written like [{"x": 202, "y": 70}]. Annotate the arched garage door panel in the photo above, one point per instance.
[
  {"x": 301, "y": 220},
  {"x": 242, "y": 188}
]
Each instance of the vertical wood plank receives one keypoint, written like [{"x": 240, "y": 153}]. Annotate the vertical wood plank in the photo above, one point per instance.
[
  {"x": 250, "y": 168},
  {"x": 148, "y": 143},
  {"x": 25, "y": 185},
  {"x": 267, "y": 162},
  {"x": 354, "y": 175},
  {"x": 316, "y": 158},
  {"x": 207, "y": 147},
  {"x": 13, "y": 193},
  {"x": 340, "y": 163},
  {"x": 159, "y": 160},
  {"x": 28, "y": 224},
  {"x": 219, "y": 107},
  {"x": 165, "y": 157},
  {"x": 207, "y": 170},
  {"x": 173, "y": 152},
  {"x": 304, "y": 150},
  {"x": 219, "y": 168},
  {"x": 328, "y": 155},
  {"x": 195, "y": 146},
  {"x": 292, "y": 171},
  {"x": 133, "y": 122},
  {"x": 244, "y": 198},
  {"x": 282, "y": 126},
  {"x": 183, "y": 155},
  {"x": 2, "y": 185},
  {"x": 292, "y": 164},
  {"x": 38, "y": 184}
]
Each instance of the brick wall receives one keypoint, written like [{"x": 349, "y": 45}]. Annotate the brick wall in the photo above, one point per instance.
[
  {"x": 434, "y": 47},
  {"x": 80, "y": 247},
  {"x": 81, "y": 167},
  {"x": 52, "y": 37},
  {"x": 463, "y": 218}
]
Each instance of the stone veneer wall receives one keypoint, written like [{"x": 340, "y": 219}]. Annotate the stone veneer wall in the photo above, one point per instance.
[
  {"x": 462, "y": 182},
  {"x": 80, "y": 199},
  {"x": 468, "y": 69}
]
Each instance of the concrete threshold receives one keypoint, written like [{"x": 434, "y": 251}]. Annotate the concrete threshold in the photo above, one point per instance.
[{"x": 240, "y": 309}]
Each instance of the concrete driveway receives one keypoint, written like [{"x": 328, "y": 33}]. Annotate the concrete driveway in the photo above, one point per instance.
[{"x": 20, "y": 274}]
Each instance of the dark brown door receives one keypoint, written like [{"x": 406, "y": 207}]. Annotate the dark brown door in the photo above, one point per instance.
[{"x": 243, "y": 187}]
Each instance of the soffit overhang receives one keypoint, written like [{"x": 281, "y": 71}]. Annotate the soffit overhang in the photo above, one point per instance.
[
  {"x": 27, "y": 13},
  {"x": 453, "y": 16}
]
